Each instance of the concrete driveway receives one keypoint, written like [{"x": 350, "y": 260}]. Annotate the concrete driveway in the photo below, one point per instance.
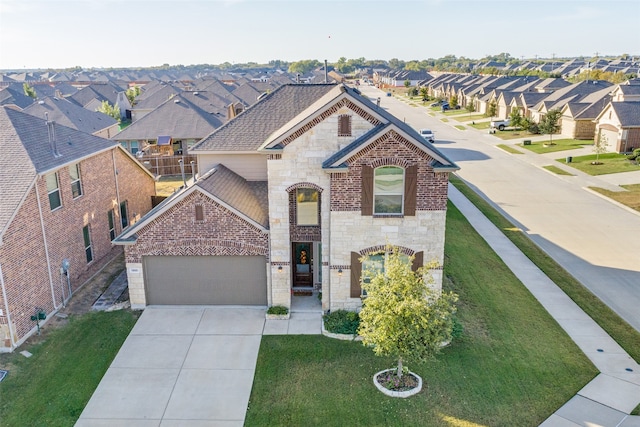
[{"x": 181, "y": 366}]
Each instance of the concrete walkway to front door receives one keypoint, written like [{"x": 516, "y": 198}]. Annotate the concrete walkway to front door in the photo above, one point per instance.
[{"x": 185, "y": 366}]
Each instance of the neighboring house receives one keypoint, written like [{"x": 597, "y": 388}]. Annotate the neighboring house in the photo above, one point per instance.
[
  {"x": 181, "y": 118},
  {"x": 68, "y": 114},
  {"x": 292, "y": 193},
  {"x": 13, "y": 96},
  {"x": 64, "y": 195},
  {"x": 619, "y": 124}
]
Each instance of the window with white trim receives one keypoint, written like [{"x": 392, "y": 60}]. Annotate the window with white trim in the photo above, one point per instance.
[
  {"x": 76, "y": 182},
  {"x": 388, "y": 190},
  {"x": 111, "y": 216},
  {"x": 53, "y": 190},
  {"x": 307, "y": 206},
  {"x": 88, "y": 248}
]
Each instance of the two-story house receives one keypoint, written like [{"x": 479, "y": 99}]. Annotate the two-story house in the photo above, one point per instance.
[
  {"x": 64, "y": 196},
  {"x": 292, "y": 194}
]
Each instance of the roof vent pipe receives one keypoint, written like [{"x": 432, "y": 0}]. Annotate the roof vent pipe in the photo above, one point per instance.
[
  {"x": 184, "y": 179},
  {"x": 51, "y": 132},
  {"x": 326, "y": 73}
]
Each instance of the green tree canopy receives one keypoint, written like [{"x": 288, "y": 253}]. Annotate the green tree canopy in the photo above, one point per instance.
[
  {"x": 110, "y": 110},
  {"x": 29, "y": 90},
  {"x": 550, "y": 123},
  {"x": 402, "y": 315},
  {"x": 304, "y": 66}
]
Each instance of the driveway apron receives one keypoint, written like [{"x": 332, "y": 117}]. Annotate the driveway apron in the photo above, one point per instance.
[{"x": 181, "y": 366}]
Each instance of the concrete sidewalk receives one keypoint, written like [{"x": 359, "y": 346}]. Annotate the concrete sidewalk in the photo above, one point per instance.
[{"x": 608, "y": 399}]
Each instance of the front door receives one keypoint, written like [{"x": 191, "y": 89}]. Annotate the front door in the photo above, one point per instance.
[{"x": 302, "y": 253}]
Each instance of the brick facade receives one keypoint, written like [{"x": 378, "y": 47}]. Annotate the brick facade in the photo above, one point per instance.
[
  {"x": 177, "y": 232},
  {"x": 29, "y": 280}
]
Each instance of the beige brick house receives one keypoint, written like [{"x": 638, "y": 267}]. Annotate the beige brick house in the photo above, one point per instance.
[
  {"x": 64, "y": 195},
  {"x": 298, "y": 188}
]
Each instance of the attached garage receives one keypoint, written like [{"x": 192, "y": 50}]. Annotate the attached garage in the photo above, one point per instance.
[{"x": 205, "y": 280}]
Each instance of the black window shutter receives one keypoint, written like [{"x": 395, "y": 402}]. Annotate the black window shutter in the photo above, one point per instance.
[
  {"x": 410, "y": 190},
  {"x": 418, "y": 261},
  {"x": 356, "y": 271},
  {"x": 367, "y": 190}
]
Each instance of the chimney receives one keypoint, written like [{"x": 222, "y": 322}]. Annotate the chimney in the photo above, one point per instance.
[{"x": 51, "y": 131}]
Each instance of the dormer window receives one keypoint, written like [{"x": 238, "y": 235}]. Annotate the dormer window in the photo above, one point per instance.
[{"x": 344, "y": 125}]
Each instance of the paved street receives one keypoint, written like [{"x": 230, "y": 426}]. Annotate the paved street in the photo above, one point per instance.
[{"x": 597, "y": 241}]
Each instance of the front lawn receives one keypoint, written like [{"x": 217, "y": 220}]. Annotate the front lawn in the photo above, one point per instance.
[
  {"x": 512, "y": 366},
  {"x": 480, "y": 125},
  {"x": 557, "y": 170},
  {"x": 542, "y": 147},
  {"x": 509, "y": 149},
  {"x": 629, "y": 198},
  {"x": 610, "y": 163},
  {"x": 52, "y": 387},
  {"x": 470, "y": 117},
  {"x": 623, "y": 333}
]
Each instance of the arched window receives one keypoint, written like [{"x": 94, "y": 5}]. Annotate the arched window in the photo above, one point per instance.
[
  {"x": 307, "y": 206},
  {"x": 388, "y": 190}
]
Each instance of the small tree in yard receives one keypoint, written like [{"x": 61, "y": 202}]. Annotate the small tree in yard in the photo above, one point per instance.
[
  {"x": 600, "y": 146},
  {"x": 550, "y": 124},
  {"x": 402, "y": 316},
  {"x": 515, "y": 118},
  {"x": 110, "y": 110}
]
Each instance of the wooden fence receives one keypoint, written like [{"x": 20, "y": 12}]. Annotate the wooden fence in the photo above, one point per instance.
[{"x": 169, "y": 165}]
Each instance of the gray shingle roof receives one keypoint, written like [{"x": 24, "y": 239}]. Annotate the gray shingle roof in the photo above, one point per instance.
[
  {"x": 177, "y": 117},
  {"x": 628, "y": 113},
  {"x": 253, "y": 126},
  {"x": 24, "y": 141},
  {"x": 250, "y": 198},
  {"x": 69, "y": 114}
]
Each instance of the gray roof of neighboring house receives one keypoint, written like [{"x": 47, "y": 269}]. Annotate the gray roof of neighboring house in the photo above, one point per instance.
[
  {"x": 101, "y": 92},
  {"x": 628, "y": 113},
  {"x": 177, "y": 117},
  {"x": 155, "y": 97},
  {"x": 248, "y": 197},
  {"x": 69, "y": 114},
  {"x": 252, "y": 127},
  {"x": 14, "y": 94},
  {"x": 26, "y": 138}
]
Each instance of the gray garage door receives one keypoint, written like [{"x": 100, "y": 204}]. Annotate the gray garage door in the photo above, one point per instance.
[{"x": 205, "y": 280}]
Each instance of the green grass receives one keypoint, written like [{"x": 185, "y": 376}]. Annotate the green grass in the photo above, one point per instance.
[
  {"x": 558, "y": 145},
  {"x": 481, "y": 125},
  {"x": 469, "y": 118},
  {"x": 629, "y": 198},
  {"x": 167, "y": 184},
  {"x": 610, "y": 163},
  {"x": 557, "y": 170},
  {"x": 445, "y": 120},
  {"x": 460, "y": 127},
  {"x": 509, "y": 134},
  {"x": 509, "y": 149},
  {"x": 53, "y": 386},
  {"x": 512, "y": 366},
  {"x": 623, "y": 333}
]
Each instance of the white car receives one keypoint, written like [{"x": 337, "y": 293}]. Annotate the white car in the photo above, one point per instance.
[{"x": 428, "y": 135}]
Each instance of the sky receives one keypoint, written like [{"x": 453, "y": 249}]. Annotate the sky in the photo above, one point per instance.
[{"x": 139, "y": 33}]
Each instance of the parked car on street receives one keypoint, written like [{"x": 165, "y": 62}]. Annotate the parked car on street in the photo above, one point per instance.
[{"x": 428, "y": 135}]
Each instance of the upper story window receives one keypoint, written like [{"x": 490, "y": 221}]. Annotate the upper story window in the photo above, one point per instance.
[
  {"x": 76, "y": 183},
  {"x": 53, "y": 190},
  {"x": 88, "y": 247},
  {"x": 344, "y": 125},
  {"x": 388, "y": 190},
  {"x": 307, "y": 206},
  {"x": 124, "y": 215},
  {"x": 112, "y": 224}
]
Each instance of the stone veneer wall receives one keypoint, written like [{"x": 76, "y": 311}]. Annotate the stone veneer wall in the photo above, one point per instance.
[
  {"x": 301, "y": 162},
  {"x": 177, "y": 232}
]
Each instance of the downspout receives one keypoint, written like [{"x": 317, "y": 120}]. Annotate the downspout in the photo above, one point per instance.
[
  {"x": 6, "y": 307},
  {"x": 46, "y": 247},
  {"x": 115, "y": 175}
]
